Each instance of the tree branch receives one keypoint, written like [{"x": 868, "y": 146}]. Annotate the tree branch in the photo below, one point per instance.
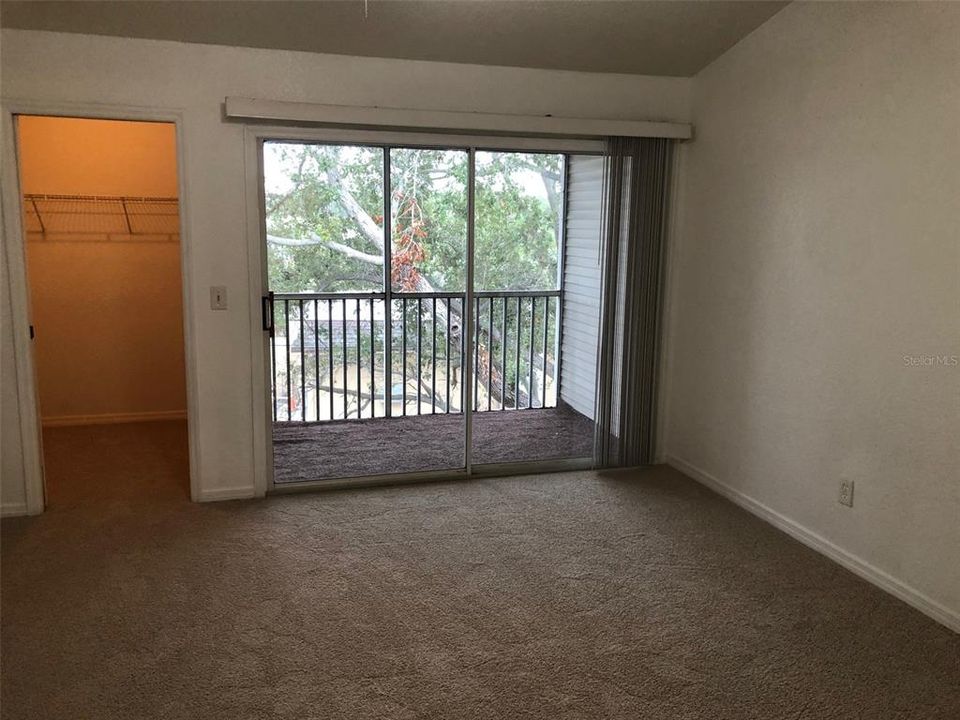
[
  {"x": 332, "y": 244},
  {"x": 370, "y": 229}
]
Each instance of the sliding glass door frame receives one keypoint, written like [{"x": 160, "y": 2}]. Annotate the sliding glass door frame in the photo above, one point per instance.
[
  {"x": 255, "y": 138},
  {"x": 468, "y": 344}
]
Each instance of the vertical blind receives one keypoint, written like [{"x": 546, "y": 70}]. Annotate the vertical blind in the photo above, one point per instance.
[{"x": 636, "y": 182}]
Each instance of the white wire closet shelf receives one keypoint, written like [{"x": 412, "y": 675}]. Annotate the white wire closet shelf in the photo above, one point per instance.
[{"x": 101, "y": 215}]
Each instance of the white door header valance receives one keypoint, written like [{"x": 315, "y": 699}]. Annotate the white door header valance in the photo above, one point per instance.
[{"x": 441, "y": 120}]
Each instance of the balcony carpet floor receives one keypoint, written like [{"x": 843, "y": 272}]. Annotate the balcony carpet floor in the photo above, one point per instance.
[
  {"x": 416, "y": 443},
  {"x": 637, "y": 594}
]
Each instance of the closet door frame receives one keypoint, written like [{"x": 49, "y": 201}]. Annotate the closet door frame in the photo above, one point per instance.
[{"x": 15, "y": 249}]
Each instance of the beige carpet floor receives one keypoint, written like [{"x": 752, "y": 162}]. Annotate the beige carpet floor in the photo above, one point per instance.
[{"x": 578, "y": 595}]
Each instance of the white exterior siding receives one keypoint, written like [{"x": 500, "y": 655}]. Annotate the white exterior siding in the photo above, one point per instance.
[{"x": 581, "y": 284}]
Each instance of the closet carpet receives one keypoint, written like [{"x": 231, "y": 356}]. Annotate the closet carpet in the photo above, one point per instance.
[{"x": 636, "y": 594}]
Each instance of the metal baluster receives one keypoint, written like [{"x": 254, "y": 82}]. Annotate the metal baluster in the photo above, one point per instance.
[
  {"x": 447, "y": 354},
  {"x": 516, "y": 381},
  {"x": 419, "y": 347},
  {"x": 503, "y": 358},
  {"x": 330, "y": 351},
  {"x": 316, "y": 354},
  {"x": 490, "y": 355},
  {"x": 303, "y": 368},
  {"x": 286, "y": 315},
  {"x": 359, "y": 362},
  {"x": 476, "y": 353},
  {"x": 343, "y": 332},
  {"x": 388, "y": 355},
  {"x": 533, "y": 323},
  {"x": 403, "y": 324},
  {"x": 462, "y": 350},
  {"x": 546, "y": 332},
  {"x": 273, "y": 356},
  {"x": 373, "y": 363},
  {"x": 433, "y": 374}
]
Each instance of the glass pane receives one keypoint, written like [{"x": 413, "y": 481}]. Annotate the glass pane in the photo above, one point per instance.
[
  {"x": 519, "y": 202},
  {"x": 324, "y": 217},
  {"x": 534, "y": 341},
  {"x": 428, "y": 354},
  {"x": 328, "y": 359},
  {"x": 361, "y": 385},
  {"x": 429, "y": 208}
]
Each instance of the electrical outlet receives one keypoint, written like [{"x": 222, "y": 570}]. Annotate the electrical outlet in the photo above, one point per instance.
[
  {"x": 846, "y": 493},
  {"x": 218, "y": 297}
]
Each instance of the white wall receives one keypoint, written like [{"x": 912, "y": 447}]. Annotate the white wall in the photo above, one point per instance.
[
  {"x": 194, "y": 79},
  {"x": 819, "y": 247}
]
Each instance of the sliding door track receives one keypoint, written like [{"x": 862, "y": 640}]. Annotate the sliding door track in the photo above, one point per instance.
[{"x": 490, "y": 470}]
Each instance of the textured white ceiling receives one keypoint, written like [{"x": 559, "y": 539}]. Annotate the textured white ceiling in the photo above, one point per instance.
[{"x": 649, "y": 38}]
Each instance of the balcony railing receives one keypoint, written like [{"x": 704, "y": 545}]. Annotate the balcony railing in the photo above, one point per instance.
[{"x": 329, "y": 354}]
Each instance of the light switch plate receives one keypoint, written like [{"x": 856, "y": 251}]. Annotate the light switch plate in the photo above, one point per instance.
[{"x": 218, "y": 297}]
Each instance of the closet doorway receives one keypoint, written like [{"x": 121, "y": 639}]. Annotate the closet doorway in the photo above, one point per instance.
[{"x": 101, "y": 225}]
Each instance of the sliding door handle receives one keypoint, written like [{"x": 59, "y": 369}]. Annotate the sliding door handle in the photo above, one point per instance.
[{"x": 266, "y": 304}]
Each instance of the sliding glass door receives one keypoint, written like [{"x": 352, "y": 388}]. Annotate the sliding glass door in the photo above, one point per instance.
[
  {"x": 381, "y": 351},
  {"x": 427, "y": 258},
  {"x": 519, "y": 414}
]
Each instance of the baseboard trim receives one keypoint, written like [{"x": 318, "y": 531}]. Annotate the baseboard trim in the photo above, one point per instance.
[
  {"x": 13, "y": 509},
  {"x": 886, "y": 582},
  {"x": 241, "y": 492},
  {"x": 113, "y": 418}
]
